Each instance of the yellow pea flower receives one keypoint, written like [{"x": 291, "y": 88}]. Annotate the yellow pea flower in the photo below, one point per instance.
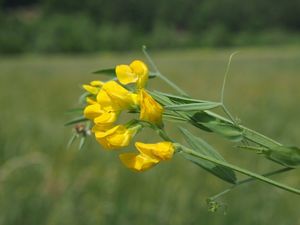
[
  {"x": 137, "y": 162},
  {"x": 136, "y": 72},
  {"x": 116, "y": 137},
  {"x": 114, "y": 95},
  {"x": 150, "y": 155},
  {"x": 160, "y": 151},
  {"x": 151, "y": 110},
  {"x": 98, "y": 115}
]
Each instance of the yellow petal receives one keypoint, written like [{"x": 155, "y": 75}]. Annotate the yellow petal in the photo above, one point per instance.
[
  {"x": 106, "y": 117},
  {"x": 160, "y": 150},
  {"x": 105, "y": 101},
  {"x": 137, "y": 162},
  {"x": 90, "y": 101},
  {"x": 151, "y": 110},
  {"x": 91, "y": 89},
  {"x": 119, "y": 95},
  {"x": 101, "y": 127},
  {"x": 92, "y": 111},
  {"x": 96, "y": 83},
  {"x": 125, "y": 74},
  {"x": 141, "y": 70},
  {"x": 116, "y": 137},
  {"x": 102, "y": 134}
]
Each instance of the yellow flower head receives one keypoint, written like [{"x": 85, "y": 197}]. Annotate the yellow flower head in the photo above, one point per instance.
[
  {"x": 116, "y": 137},
  {"x": 136, "y": 72},
  {"x": 150, "y": 155},
  {"x": 100, "y": 116},
  {"x": 151, "y": 110},
  {"x": 115, "y": 96}
]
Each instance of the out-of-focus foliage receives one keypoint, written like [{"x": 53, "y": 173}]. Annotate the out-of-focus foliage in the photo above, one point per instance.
[
  {"x": 95, "y": 25},
  {"x": 43, "y": 182}
]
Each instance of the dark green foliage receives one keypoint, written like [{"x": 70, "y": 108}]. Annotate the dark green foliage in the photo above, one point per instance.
[{"x": 95, "y": 25}]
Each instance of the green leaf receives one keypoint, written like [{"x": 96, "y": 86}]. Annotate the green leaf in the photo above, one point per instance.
[
  {"x": 71, "y": 141},
  {"x": 204, "y": 148},
  {"x": 193, "y": 106},
  {"x": 109, "y": 72},
  {"x": 179, "y": 99},
  {"x": 81, "y": 143},
  {"x": 76, "y": 110},
  {"x": 76, "y": 120},
  {"x": 213, "y": 124}
]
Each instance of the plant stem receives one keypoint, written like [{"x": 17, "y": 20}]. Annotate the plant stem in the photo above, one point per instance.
[
  {"x": 160, "y": 75},
  {"x": 238, "y": 169},
  {"x": 283, "y": 170}
]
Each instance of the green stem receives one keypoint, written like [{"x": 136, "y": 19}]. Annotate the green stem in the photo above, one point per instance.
[
  {"x": 250, "y": 134},
  {"x": 160, "y": 75},
  {"x": 238, "y": 169},
  {"x": 283, "y": 170}
]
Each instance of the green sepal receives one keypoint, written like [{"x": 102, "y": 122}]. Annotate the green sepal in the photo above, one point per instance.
[
  {"x": 287, "y": 156},
  {"x": 204, "y": 148}
]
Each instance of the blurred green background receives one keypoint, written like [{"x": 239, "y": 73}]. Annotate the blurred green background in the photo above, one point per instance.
[
  {"x": 43, "y": 182},
  {"x": 70, "y": 26}
]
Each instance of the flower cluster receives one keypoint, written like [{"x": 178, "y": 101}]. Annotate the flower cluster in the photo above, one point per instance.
[{"x": 105, "y": 103}]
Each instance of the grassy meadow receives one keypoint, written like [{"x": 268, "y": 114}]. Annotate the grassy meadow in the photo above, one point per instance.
[{"x": 43, "y": 182}]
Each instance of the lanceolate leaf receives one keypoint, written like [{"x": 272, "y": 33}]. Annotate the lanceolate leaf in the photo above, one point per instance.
[
  {"x": 226, "y": 129},
  {"x": 76, "y": 120},
  {"x": 179, "y": 99},
  {"x": 204, "y": 148},
  {"x": 193, "y": 106},
  {"x": 110, "y": 72}
]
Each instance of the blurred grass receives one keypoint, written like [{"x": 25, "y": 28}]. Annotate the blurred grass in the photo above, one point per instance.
[{"x": 42, "y": 182}]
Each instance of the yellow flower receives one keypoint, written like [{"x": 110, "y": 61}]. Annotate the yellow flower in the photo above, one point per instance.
[
  {"x": 114, "y": 95},
  {"x": 160, "y": 151},
  {"x": 137, "y": 162},
  {"x": 151, "y": 110},
  {"x": 93, "y": 87},
  {"x": 116, "y": 137},
  {"x": 136, "y": 72},
  {"x": 98, "y": 115},
  {"x": 150, "y": 155}
]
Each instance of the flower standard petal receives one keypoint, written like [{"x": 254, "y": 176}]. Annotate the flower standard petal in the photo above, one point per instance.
[
  {"x": 125, "y": 74},
  {"x": 141, "y": 70},
  {"x": 118, "y": 95}
]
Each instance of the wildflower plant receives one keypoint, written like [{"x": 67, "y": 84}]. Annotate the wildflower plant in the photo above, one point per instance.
[{"x": 126, "y": 91}]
